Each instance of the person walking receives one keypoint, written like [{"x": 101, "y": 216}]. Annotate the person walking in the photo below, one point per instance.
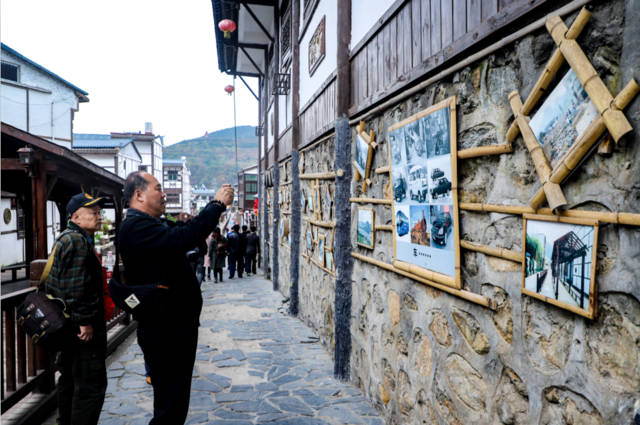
[
  {"x": 233, "y": 250},
  {"x": 253, "y": 248},
  {"x": 153, "y": 252},
  {"x": 207, "y": 257},
  {"x": 242, "y": 254},
  {"x": 76, "y": 278},
  {"x": 217, "y": 253}
]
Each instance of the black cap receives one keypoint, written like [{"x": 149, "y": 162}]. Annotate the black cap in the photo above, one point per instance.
[{"x": 82, "y": 200}]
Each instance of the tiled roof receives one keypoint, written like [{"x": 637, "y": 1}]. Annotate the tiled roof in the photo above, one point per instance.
[
  {"x": 173, "y": 161},
  {"x": 97, "y": 141}
]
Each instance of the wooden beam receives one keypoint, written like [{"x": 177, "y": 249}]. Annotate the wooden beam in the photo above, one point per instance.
[{"x": 12, "y": 164}]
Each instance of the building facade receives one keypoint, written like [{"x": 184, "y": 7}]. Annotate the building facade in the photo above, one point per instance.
[
  {"x": 118, "y": 155},
  {"x": 176, "y": 185},
  {"x": 248, "y": 188},
  {"x": 480, "y": 350}
]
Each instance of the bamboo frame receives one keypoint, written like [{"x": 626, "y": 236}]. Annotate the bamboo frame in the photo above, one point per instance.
[
  {"x": 456, "y": 280},
  {"x": 485, "y": 150},
  {"x": 384, "y": 227},
  {"x": 369, "y": 139},
  {"x": 467, "y": 295},
  {"x": 499, "y": 252},
  {"x": 585, "y": 142},
  {"x": 314, "y": 262},
  {"x": 613, "y": 118},
  {"x": 371, "y": 201},
  {"x": 549, "y": 71},
  {"x": 590, "y": 313},
  {"x": 627, "y": 219},
  {"x": 317, "y": 201},
  {"x": 327, "y": 202},
  {"x": 552, "y": 191},
  {"x": 307, "y": 231},
  {"x": 325, "y": 224},
  {"x": 383, "y": 170},
  {"x": 318, "y": 176},
  {"x": 373, "y": 227}
]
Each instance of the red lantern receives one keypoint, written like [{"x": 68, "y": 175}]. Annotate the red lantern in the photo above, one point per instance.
[
  {"x": 229, "y": 89},
  {"x": 227, "y": 26}
]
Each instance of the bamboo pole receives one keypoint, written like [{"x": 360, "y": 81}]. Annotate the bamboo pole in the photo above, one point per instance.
[
  {"x": 386, "y": 227},
  {"x": 613, "y": 118},
  {"x": 371, "y": 201},
  {"x": 549, "y": 71},
  {"x": 317, "y": 264},
  {"x": 426, "y": 274},
  {"x": 552, "y": 191},
  {"x": 383, "y": 170},
  {"x": 628, "y": 219},
  {"x": 467, "y": 295},
  {"x": 485, "y": 150},
  {"x": 321, "y": 176},
  {"x": 583, "y": 145},
  {"x": 499, "y": 252},
  {"x": 326, "y": 224}
]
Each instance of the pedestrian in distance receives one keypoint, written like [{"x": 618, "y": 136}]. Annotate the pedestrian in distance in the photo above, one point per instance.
[
  {"x": 207, "y": 258},
  {"x": 217, "y": 253},
  {"x": 153, "y": 252},
  {"x": 242, "y": 254},
  {"x": 253, "y": 248},
  {"x": 76, "y": 278},
  {"x": 233, "y": 250}
]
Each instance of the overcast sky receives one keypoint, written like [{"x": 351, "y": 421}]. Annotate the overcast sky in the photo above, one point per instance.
[{"x": 140, "y": 60}]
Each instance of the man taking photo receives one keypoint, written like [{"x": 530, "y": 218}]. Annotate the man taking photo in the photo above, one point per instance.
[{"x": 153, "y": 252}]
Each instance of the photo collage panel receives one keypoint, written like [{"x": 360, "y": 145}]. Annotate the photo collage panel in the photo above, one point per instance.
[{"x": 422, "y": 181}]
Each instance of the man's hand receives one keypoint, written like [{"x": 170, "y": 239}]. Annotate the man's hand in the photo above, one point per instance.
[
  {"x": 86, "y": 333},
  {"x": 225, "y": 194}
]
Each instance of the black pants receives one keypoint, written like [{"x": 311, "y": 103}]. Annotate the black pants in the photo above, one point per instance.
[
  {"x": 217, "y": 273},
  {"x": 250, "y": 264},
  {"x": 82, "y": 384},
  {"x": 240, "y": 264},
  {"x": 170, "y": 352}
]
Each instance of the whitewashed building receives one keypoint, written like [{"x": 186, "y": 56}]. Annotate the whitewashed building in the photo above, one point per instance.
[
  {"x": 40, "y": 102},
  {"x": 176, "y": 184},
  {"x": 201, "y": 197},
  {"x": 118, "y": 155},
  {"x": 149, "y": 146}
]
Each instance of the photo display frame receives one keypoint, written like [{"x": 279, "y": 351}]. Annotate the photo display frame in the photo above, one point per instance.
[
  {"x": 424, "y": 177},
  {"x": 365, "y": 148},
  {"x": 366, "y": 228},
  {"x": 559, "y": 262}
]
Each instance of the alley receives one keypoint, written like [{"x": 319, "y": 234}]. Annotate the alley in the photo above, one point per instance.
[{"x": 255, "y": 365}]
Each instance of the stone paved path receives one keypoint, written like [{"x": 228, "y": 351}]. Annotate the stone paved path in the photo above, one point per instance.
[{"x": 255, "y": 365}]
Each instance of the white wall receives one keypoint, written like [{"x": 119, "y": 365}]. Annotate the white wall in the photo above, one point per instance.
[
  {"x": 12, "y": 248},
  {"x": 310, "y": 84},
  {"x": 104, "y": 160},
  {"x": 269, "y": 128},
  {"x": 128, "y": 160},
  {"x": 14, "y": 101},
  {"x": 364, "y": 15},
  {"x": 50, "y": 112}
]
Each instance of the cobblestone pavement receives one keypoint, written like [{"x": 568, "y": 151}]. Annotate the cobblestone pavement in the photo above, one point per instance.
[{"x": 255, "y": 365}]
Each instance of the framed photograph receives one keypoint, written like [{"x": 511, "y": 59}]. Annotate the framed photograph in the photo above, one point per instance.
[
  {"x": 328, "y": 259},
  {"x": 423, "y": 162},
  {"x": 309, "y": 241},
  {"x": 327, "y": 202},
  {"x": 317, "y": 46},
  {"x": 364, "y": 156},
  {"x": 563, "y": 117},
  {"x": 320, "y": 249},
  {"x": 366, "y": 227},
  {"x": 559, "y": 262},
  {"x": 317, "y": 202},
  {"x": 303, "y": 201}
]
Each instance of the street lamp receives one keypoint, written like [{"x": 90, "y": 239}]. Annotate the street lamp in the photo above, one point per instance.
[{"x": 25, "y": 156}]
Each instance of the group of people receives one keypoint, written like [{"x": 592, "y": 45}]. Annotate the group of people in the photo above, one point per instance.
[
  {"x": 240, "y": 249},
  {"x": 154, "y": 254}
]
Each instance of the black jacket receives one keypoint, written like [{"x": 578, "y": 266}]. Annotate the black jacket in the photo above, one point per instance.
[
  {"x": 253, "y": 243},
  {"x": 233, "y": 243},
  {"x": 153, "y": 251}
]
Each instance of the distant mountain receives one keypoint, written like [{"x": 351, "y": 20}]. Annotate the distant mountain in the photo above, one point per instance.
[{"x": 211, "y": 158}]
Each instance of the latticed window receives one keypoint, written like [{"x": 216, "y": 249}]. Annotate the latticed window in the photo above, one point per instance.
[{"x": 285, "y": 37}]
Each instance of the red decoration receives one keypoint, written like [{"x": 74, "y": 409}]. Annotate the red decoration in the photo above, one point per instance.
[
  {"x": 227, "y": 26},
  {"x": 229, "y": 89}
]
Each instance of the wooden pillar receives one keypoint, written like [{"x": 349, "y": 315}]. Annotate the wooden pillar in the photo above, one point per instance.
[
  {"x": 342, "y": 243},
  {"x": 296, "y": 212},
  {"x": 276, "y": 149},
  {"x": 39, "y": 211},
  {"x": 265, "y": 220}
]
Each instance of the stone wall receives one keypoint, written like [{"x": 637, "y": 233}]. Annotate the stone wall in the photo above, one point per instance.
[
  {"x": 285, "y": 215},
  {"x": 428, "y": 357}
]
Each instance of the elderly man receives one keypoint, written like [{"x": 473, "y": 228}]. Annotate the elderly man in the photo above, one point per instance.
[
  {"x": 76, "y": 278},
  {"x": 153, "y": 252}
]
